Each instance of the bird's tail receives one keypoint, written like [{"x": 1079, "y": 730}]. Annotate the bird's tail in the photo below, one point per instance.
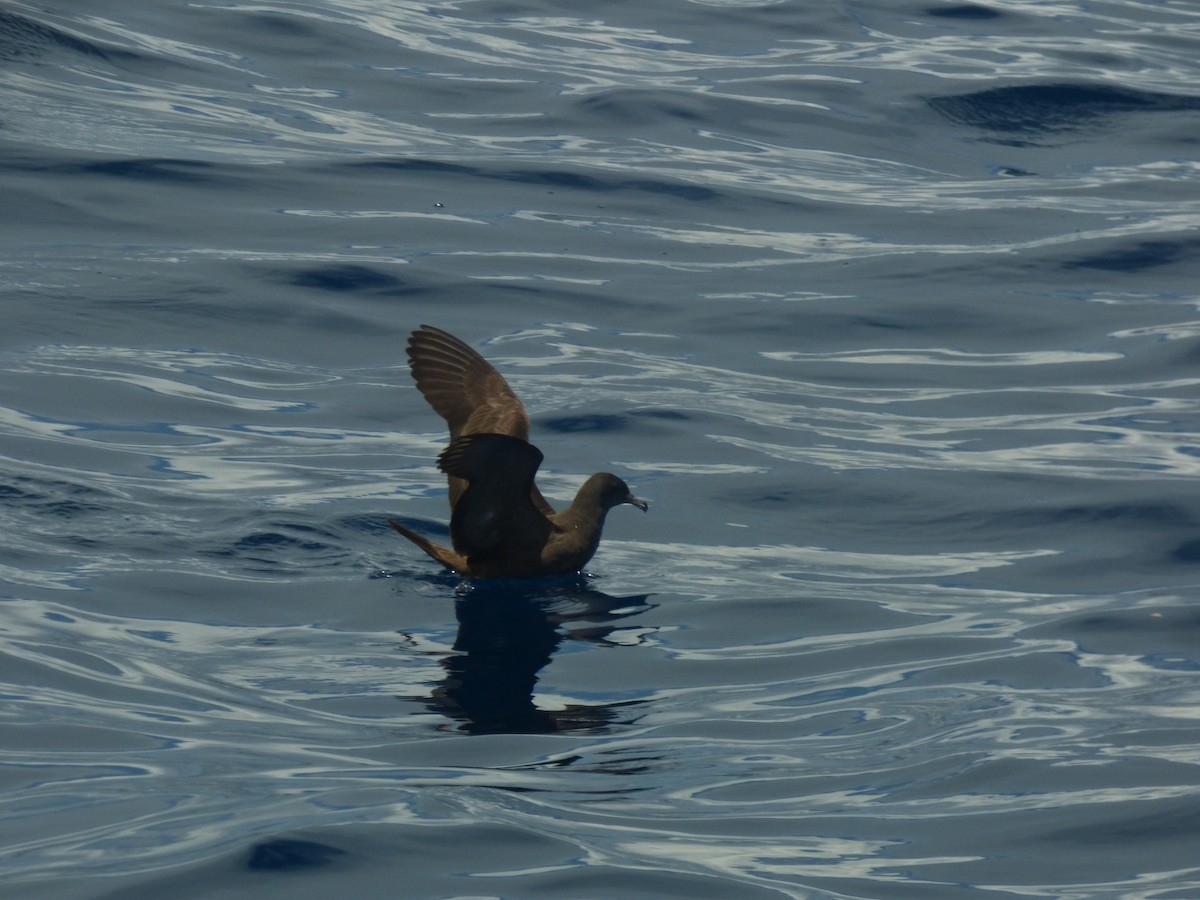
[{"x": 448, "y": 558}]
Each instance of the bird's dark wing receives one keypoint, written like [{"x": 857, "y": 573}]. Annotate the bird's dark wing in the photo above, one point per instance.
[
  {"x": 495, "y": 516},
  {"x": 466, "y": 391},
  {"x": 463, "y": 387}
]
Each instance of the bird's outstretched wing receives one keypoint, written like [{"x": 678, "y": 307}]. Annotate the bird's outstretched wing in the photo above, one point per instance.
[
  {"x": 465, "y": 390},
  {"x": 463, "y": 387}
]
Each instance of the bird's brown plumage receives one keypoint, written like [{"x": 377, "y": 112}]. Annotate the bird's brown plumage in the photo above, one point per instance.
[
  {"x": 465, "y": 390},
  {"x": 500, "y": 523}
]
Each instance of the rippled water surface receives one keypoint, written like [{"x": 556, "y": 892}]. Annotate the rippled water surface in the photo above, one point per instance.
[{"x": 889, "y": 309}]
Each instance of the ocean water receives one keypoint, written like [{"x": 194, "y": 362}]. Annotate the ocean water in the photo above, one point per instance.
[{"x": 890, "y": 310}]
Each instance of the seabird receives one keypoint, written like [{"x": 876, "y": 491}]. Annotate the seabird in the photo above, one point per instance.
[{"x": 500, "y": 524}]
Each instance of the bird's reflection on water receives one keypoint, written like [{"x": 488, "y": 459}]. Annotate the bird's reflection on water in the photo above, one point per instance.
[{"x": 508, "y": 631}]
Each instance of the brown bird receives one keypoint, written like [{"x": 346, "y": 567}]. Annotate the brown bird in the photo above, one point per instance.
[{"x": 500, "y": 524}]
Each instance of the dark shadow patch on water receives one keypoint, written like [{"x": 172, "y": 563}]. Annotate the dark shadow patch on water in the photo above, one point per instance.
[
  {"x": 645, "y": 422},
  {"x": 175, "y": 171},
  {"x": 291, "y": 34},
  {"x": 1124, "y": 536},
  {"x": 963, "y": 12},
  {"x": 1039, "y": 110},
  {"x": 668, "y": 415},
  {"x": 269, "y": 539},
  {"x": 761, "y": 499},
  {"x": 1165, "y": 821},
  {"x": 51, "y": 498},
  {"x": 1138, "y": 257},
  {"x": 418, "y": 166},
  {"x": 346, "y": 278},
  {"x": 1187, "y": 552},
  {"x": 552, "y": 178},
  {"x": 640, "y": 107},
  {"x": 282, "y": 545},
  {"x": 1162, "y": 637},
  {"x": 158, "y": 169},
  {"x": 686, "y": 113},
  {"x": 598, "y": 422},
  {"x": 1134, "y": 515},
  {"x": 1012, "y": 172},
  {"x": 644, "y": 185},
  {"x": 290, "y": 855},
  {"x": 161, "y": 169},
  {"x": 24, "y": 39}
]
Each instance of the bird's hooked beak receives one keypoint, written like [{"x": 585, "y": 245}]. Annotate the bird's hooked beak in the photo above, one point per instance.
[{"x": 636, "y": 501}]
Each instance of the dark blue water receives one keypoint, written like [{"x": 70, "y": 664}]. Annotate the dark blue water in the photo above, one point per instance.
[{"x": 890, "y": 310}]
